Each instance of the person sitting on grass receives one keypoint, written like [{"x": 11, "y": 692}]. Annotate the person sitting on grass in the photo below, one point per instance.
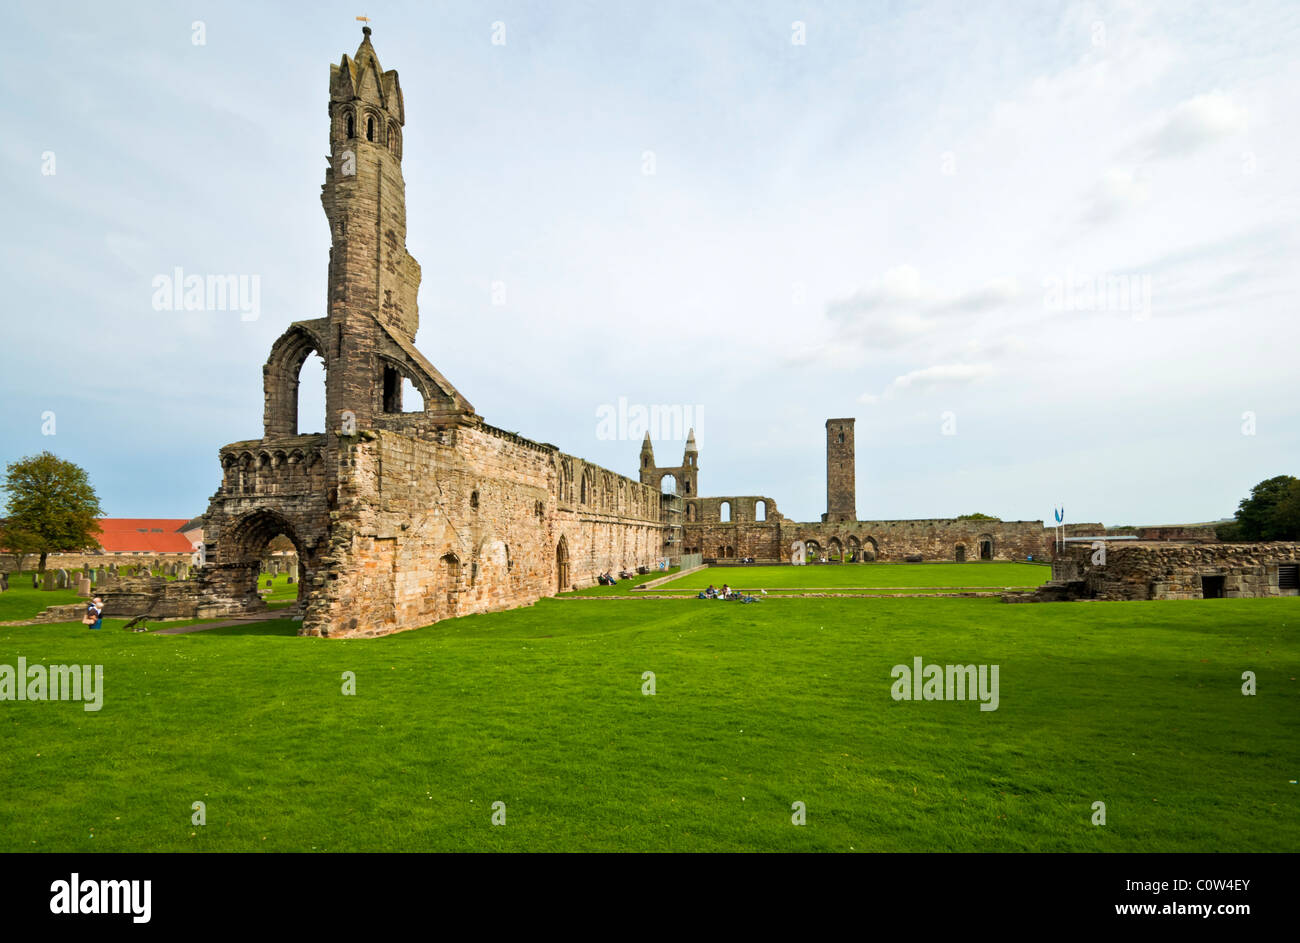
[
  {"x": 726, "y": 591},
  {"x": 95, "y": 613}
]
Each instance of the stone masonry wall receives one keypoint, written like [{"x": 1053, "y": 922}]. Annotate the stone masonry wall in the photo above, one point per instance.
[
  {"x": 1174, "y": 570},
  {"x": 935, "y": 540},
  {"x": 474, "y": 520}
]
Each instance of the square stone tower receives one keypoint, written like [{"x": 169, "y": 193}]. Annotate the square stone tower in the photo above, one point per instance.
[{"x": 841, "y": 490}]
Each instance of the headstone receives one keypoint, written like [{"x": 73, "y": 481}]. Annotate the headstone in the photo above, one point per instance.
[
  {"x": 51, "y": 581},
  {"x": 292, "y": 580},
  {"x": 36, "y": 581},
  {"x": 85, "y": 570},
  {"x": 112, "y": 568},
  {"x": 268, "y": 584},
  {"x": 64, "y": 583},
  {"x": 83, "y": 587},
  {"x": 176, "y": 570},
  {"x": 4, "y": 582}
]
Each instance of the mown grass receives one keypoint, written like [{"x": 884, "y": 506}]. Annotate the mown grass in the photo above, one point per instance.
[
  {"x": 624, "y": 587},
  {"x": 867, "y": 576},
  {"x": 1138, "y": 705}
]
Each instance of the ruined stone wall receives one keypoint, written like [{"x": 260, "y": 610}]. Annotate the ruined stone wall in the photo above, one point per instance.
[
  {"x": 12, "y": 563},
  {"x": 470, "y": 520},
  {"x": 739, "y": 508},
  {"x": 1175, "y": 570},
  {"x": 893, "y": 541}
]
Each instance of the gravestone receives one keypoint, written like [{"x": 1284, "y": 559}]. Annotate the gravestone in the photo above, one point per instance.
[
  {"x": 51, "y": 581},
  {"x": 268, "y": 584},
  {"x": 112, "y": 568},
  {"x": 64, "y": 582},
  {"x": 36, "y": 581},
  {"x": 292, "y": 580},
  {"x": 83, "y": 587},
  {"x": 4, "y": 582}
]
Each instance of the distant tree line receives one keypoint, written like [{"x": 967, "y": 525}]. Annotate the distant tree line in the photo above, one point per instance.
[{"x": 1272, "y": 512}]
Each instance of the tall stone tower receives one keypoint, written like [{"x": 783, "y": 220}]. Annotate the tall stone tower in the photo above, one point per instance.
[
  {"x": 841, "y": 489},
  {"x": 372, "y": 278}
]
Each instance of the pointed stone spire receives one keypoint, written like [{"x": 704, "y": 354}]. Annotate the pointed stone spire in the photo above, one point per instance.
[
  {"x": 366, "y": 51},
  {"x": 690, "y": 442}
]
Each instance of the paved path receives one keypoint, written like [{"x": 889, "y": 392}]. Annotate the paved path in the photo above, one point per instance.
[{"x": 242, "y": 620}]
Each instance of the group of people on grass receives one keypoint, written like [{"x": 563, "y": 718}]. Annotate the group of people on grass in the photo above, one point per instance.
[{"x": 727, "y": 592}]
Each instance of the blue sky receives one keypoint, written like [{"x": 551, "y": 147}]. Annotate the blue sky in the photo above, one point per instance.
[{"x": 1043, "y": 253}]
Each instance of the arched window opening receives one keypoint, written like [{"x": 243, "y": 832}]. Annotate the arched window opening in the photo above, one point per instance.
[
  {"x": 370, "y": 129},
  {"x": 760, "y": 510},
  {"x": 311, "y": 395},
  {"x": 352, "y": 129},
  {"x": 724, "y": 511}
]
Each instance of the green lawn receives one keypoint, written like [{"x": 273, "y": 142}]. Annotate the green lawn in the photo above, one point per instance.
[
  {"x": 20, "y": 601},
  {"x": 624, "y": 587},
  {"x": 757, "y": 707},
  {"x": 867, "y": 575}
]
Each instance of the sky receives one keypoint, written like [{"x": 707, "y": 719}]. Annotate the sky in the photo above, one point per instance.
[{"x": 1045, "y": 254}]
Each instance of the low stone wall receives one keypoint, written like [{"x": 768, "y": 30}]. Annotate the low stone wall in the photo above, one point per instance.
[
  {"x": 12, "y": 563},
  {"x": 1169, "y": 570}
]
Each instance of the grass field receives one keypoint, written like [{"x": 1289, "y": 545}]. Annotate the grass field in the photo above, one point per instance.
[
  {"x": 937, "y": 576},
  {"x": 1138, "y": 705}
]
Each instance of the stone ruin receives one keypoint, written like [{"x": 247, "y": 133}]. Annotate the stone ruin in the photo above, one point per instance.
[{"x": 1130, "y": 570}]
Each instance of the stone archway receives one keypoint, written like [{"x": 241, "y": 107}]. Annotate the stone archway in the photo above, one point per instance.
[
  {"x": 835, "y": 550},
  {"x": 986, "y": 546},
  {"x": 280, "y": 379},
  {"x": 813, "y": 551},
  {"x": 241, "y": 549},
  {"x": 960, "y": 555},
  {"x": 562, "y": 566}
]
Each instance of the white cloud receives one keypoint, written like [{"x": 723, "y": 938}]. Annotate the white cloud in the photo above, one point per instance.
[
  {"x": 1118, "y": 192},
  {"x": 928, "y": 379},
  {"x": 1197, "y": 122}
]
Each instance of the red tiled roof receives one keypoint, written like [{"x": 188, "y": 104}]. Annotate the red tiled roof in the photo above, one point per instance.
[{"x": 143, "y": 534}]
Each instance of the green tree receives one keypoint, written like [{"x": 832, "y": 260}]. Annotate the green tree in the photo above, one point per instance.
[
  {"x": 1272, "y": 512},
  {"x": 51, "y": 507}
]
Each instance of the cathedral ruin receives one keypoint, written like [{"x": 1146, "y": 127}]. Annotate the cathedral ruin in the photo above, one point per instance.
[{"x": 403, "y": 518}]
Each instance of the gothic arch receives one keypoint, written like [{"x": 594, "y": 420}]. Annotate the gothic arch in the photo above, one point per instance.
[
  {"x": 391, "y": 373},
  {"x": 280, "y": 378},
  {"x": 562, "y": 565}
]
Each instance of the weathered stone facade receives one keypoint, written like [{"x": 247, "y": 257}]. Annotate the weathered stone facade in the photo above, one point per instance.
[
  {"x": 401, "y": 518},
  {"x": 841, "y": 475},
  {"x": 1171, "y": 570},
  {"x": 750, "y": 526}
]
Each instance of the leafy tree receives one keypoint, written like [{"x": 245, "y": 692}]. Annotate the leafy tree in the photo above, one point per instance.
[
  {"x": 52, "y": 507},
  {"x": 1229, "y": 532},
  {"x": 978, "y": 517},
  {"x": 1272, "y": 512}
]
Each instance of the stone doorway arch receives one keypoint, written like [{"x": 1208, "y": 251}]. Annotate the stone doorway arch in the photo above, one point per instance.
[
  {"x": 244, "y": 544},
  {"x": 562, "y": 566}
]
